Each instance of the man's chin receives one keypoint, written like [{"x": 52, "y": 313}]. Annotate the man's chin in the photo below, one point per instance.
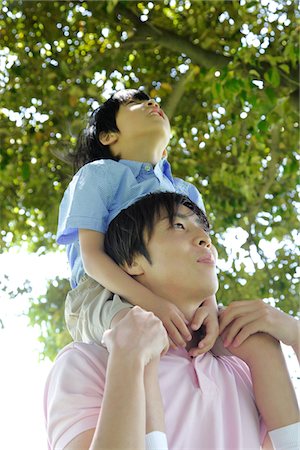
[{"x": 208, "y": 291}]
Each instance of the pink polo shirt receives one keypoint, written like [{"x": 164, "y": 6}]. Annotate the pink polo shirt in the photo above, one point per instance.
[{"x": 208, "y": 400}]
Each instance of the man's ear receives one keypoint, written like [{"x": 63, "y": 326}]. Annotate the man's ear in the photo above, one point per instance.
[
  {"x": 134, "y": 269},
  {"x": 165, "y": 153},
  {"x": 108, "y": 138}
]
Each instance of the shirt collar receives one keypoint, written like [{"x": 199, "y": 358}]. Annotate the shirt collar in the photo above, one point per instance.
[
  {"x": 134, "y": 166},
  {"x": 182, "y": 352},
  {"x": 163, "y": 167}
]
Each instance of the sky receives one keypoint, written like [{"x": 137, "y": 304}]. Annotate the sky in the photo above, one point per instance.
[{"x": 22, "y": 376}]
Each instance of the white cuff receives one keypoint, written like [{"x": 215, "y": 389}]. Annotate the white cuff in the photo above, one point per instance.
[
  {"x": 286, "y": 438},
  {"x": 156, "y": 440}
]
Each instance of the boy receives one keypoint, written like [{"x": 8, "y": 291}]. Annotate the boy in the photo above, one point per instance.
[{"x": 133, "y": 127}]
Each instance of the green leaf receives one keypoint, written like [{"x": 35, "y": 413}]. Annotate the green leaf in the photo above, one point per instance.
[
  {"x": 263, "y": 125},
  {"x": 111, "y": 5},
  {"x": 285, "y": 68},
  {"x": 273, "y": 76},
  {"x": 271, "y": 94},
  {"x": 25, "y": 172}
]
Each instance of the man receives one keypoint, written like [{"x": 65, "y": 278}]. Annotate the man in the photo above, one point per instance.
[{"x": 99, "y": 399}]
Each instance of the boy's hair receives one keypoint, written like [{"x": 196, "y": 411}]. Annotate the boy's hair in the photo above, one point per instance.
[
  {"x": 102, "y": 119},
  {"x": 130, "y": 231}
]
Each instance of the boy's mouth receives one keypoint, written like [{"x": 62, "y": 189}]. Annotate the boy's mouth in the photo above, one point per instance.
[{"x": 157, "y": 111}]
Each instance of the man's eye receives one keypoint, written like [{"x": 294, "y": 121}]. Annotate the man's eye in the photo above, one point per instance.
[{"x": 179, "y": 225}]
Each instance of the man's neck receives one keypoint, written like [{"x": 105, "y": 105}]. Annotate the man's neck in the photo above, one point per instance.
[{"x": 197, "y": 336}]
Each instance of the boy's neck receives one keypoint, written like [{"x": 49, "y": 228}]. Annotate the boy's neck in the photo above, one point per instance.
[{"x": 139, "y": 151}]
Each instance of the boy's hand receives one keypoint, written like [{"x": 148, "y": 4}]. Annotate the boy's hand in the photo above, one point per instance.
[
  {"x": 243, "y": 318},
  {"x": 207, "y": 315},
  {"x": 174, "y": 322}
]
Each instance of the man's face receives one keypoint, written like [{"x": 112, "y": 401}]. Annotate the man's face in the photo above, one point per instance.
[{"x": 183, "y": 259}]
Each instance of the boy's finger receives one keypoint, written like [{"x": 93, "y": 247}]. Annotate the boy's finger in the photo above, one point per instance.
[
  {"x": 248, "y": 330},
  {"x": 237, "y": 326},
  {"x": 198, "y": 319},
  {"x": 175, "y": 335},
  {"x": 196, "y": 351},
  {"x": 181, "y": 328},
  {"x": 225, "y": 318},
  {"x": 228, "y": 317},
  {"x": 207, "y": 342},
  {"x": 238, "y": 309}
]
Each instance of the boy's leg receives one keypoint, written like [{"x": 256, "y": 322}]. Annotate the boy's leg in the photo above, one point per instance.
[{"x": 89, "y": 309}]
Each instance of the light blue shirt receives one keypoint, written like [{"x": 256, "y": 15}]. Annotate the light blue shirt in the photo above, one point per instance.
[{"x": 101, "y": 189}]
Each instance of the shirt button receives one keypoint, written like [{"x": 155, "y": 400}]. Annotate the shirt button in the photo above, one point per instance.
[{"x": 148, "y": 167}]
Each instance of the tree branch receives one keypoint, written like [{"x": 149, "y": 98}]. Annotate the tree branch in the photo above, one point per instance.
[
  {"x": 270, "y": 177},
  {"x": 178, "y": 92},
  {"x": 146, "y": 31},
  {"x": 174, "y": 42}
]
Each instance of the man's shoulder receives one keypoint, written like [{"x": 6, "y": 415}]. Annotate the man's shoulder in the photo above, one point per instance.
[
  {"x": 236, "y": 367},
  {"x": 83, "y": 355}
]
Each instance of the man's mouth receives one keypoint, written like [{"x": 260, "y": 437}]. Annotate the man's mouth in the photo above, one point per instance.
[{"x": 208, "y": 259}]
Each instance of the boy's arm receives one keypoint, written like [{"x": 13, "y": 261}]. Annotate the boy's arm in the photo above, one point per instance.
[
  {"x": 106, "y": 272},
  {"x": 274, "y": 393}
]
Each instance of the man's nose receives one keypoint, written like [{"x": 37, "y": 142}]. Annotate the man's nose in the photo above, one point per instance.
[{"x": 202, "y": 240}]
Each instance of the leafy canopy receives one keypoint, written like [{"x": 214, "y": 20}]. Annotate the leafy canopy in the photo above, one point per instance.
[{"x": 226, "y": 74}]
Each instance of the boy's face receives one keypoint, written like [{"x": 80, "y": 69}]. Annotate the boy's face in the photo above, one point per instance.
[
  {"x": 183, "y": 259},
  {"x": 139, "y": 120}
]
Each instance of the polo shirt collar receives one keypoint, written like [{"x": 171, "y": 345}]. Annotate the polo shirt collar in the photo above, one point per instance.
[{"x": 182, "y": 352}]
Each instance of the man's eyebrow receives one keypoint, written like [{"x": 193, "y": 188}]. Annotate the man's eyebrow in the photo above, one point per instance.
[{"x": 185, "y": 216}]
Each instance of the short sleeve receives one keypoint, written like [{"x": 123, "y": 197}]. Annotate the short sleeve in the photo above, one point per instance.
[
  {"x": 87, "y": 200},
  {"x": 188, "y": 189},
  {"x": 195, "y": 196},
  {"x": 74, "y": 393}
]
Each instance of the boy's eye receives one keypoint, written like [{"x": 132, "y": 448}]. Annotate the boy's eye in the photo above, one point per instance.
[
  {"x": 179, "y": 225},
  {"x": 133, "y": 101}
]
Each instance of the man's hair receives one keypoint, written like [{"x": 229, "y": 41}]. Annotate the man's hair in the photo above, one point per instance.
[
  {"x": 102, "y": 119},
  {"x": 130, "y": 231}
]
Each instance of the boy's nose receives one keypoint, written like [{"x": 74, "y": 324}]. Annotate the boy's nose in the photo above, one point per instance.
[{"x": 152, "y": 102}]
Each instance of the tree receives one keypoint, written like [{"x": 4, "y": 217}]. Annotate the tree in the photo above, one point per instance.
[{"x": 224, "y": 71}]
